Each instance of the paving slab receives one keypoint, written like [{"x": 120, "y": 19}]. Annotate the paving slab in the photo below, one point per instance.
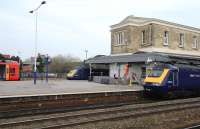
[{"x": 55, "y": 87}]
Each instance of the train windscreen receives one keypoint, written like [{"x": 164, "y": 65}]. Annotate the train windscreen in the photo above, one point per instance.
[
  {"x": 72, "y": 73},
  {"x": 154, "y": 72}
]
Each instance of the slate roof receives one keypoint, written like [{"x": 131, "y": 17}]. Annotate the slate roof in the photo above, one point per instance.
[
  {"x": 143, "y": 20},
  {"x": 142, "y": 57}
]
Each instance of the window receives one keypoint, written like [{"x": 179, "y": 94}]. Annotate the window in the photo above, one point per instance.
[
  {"x": 165, "y": 39},
  {"x": 194, "y": 42},
  {"x": 181, "y": 40},
  {"x": 170, "y": 79},
  {"x": 143, "y": 37},
  {"x": 156, "y": 72},
  {"x": 12, "y": 70},
  {"x": 120, "y": 38}
]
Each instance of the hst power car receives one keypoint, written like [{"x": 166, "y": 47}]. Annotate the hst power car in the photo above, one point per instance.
[
  {"x": 165, "y": 78},
  {"x": 82, "y": 72}
]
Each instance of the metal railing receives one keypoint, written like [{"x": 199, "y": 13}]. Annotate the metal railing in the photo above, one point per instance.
[{"x": 42, "y": 76}]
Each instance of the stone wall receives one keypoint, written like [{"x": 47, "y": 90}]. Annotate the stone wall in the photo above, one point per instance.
[
  {"x": 174, "y": 34},
  {"x": 154, "y": 36},
  {"x": 132, "y": 39}
]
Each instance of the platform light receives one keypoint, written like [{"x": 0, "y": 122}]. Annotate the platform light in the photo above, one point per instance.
[{"x": 35, "y": 61}]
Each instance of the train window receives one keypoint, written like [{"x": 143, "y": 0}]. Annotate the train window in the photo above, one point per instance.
[
  {"x": 72, "y": 73},
  {"x": 170, "y": 77},
  {"x": 12, "y": 70},
  {"x": 148, "y": 71},
  {"x": 155, "y": 73}
]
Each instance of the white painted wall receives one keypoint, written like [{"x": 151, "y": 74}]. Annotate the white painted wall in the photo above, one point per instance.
[
  {"x": 135, "y": 68},
  {"x": 117, "y": 69},
  {"x": 114, "y": 69}
]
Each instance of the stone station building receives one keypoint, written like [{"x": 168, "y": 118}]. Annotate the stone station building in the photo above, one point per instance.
[{"x": 136, "y": 40}]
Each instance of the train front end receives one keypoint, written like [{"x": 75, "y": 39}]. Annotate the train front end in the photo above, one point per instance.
[{"x": 155, "y": 81}]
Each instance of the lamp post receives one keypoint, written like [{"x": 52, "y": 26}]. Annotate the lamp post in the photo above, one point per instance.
[
  {"x": 86, "y": 51},
  {"x": 20, "y": 68},
  {"x": 35, "y": 59},
  {"x": 47, "y": 70}
]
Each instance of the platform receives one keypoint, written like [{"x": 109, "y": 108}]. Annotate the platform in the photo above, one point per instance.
[
  {"x": 56, "y": 87},
  {"x": 24, "y": 98}
]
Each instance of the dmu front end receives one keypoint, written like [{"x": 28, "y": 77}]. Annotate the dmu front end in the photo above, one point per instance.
[{"x": 165, "y": 78}]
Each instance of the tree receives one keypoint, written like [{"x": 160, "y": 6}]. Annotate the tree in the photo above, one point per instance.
[
  {"x": 40, "y": 64},
  {"x": 63, "y": 64},
  {"x": 1, "y": 57},
  {"x": 15, "y": 58}
]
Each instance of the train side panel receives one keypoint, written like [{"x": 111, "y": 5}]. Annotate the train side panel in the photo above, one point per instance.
[
  {"x": 83, "y": 74},
  {"x": 14, "y": 71},
  {"x": 189, "y": 79}
]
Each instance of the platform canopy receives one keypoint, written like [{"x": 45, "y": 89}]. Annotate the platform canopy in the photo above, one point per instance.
[
  {"x": 139, "y": 57},
  {"x": 144, "y": 57}
]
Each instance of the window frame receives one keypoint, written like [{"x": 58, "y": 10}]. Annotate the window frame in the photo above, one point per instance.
[
  {"x": 194, "y": 42},
  {"x": 143, "y": 37},
  {"x": 166, "y": 38},
  {"x": 181, "y": 40},
  {"x": 120, "y": 38}
]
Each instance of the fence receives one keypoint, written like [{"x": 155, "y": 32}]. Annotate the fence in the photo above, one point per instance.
[{"x": 42, "y": 76}]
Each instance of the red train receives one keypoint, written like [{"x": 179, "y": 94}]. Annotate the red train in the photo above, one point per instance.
[{"x": 9, "y": 71}]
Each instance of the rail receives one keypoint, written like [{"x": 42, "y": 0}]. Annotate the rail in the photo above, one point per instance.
[{"x": 70, "y": 119}]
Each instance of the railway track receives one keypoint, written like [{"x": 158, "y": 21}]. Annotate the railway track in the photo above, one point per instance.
[
  {"x": 193, "y": 127},
  {"x": 28, "y": 105},
  {"x": 77, "y": 118}
]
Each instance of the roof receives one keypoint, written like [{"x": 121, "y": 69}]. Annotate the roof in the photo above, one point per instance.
[
  {"x": 9, "y": 62},
  {"x": 2, "y": 63},
  {"x": 143, "y": 57},
  {"x": 141, "y": 21},
  {"x": 6, "y": 56},
  {"x": 193, "y": 53}
]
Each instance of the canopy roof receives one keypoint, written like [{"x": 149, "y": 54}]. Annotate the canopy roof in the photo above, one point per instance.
[{"x": 143, "y": 57}]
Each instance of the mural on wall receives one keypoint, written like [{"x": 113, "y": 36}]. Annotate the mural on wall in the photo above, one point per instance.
[
  {"x": 134, "y": 77},
  {"x": 130, "y": 74},
  {"x": 126, "y": 72}
]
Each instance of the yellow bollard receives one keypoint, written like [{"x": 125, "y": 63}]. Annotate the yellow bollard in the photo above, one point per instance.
[{"x": 130, "y": 82}]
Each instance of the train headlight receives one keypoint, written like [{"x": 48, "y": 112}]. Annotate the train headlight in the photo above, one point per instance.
[{"x": 156, "y": 84}]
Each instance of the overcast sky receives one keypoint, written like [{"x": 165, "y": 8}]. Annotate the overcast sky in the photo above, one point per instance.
[{"x": 72, "y": 26}]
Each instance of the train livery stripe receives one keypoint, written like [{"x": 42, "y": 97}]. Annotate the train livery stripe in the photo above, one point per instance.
[
  {"x": 157, "y": 79},
  {"x": 7, "y": 72}
]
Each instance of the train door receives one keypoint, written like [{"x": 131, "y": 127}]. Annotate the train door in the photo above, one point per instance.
[
  {"x": 7, "y": 72},
  {"x": 175, "y": 78},
  {"x": 12, "y": 73},
  {"x": 2, "y": 71}
]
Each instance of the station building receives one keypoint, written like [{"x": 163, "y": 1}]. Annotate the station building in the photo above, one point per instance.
[{"x": 136, "y": 40}]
